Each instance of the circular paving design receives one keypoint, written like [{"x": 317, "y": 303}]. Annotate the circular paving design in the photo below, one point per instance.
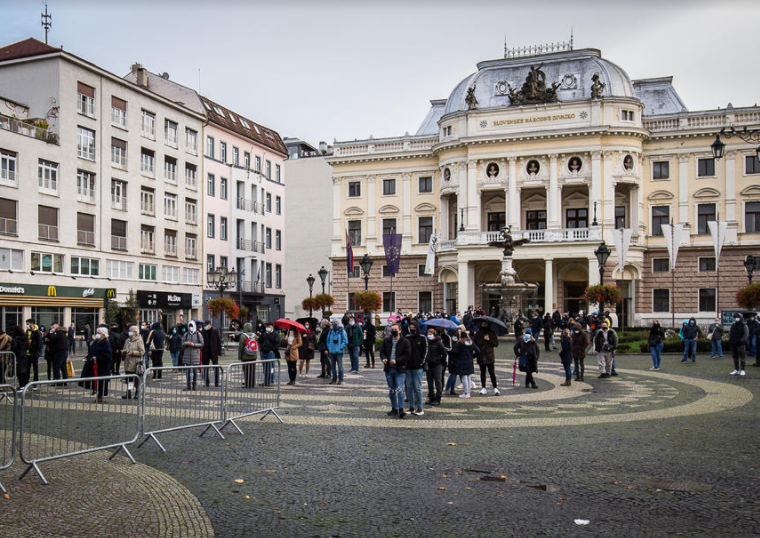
[{"x": 633, "y": 396}]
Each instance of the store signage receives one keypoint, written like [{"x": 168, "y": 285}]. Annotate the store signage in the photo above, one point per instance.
[
  {"x": 162, "y": 299},
  {"x": 51, "y": 295},
  {"x": 534, "y": 119},
  {"x": 89, "y": 292},
  {"x": 16, "y": 290}
]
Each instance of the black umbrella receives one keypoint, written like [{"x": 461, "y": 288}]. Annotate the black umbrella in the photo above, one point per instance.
[{"x": 496, "y": 325}]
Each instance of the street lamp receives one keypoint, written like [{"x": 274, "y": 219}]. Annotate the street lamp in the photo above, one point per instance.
[
  {"x": 461, "y": 219},
  {"x": 602, "y": 253},
  {"x": 222, "y": 279},
  {"x": 310, "y": 282},
  {"x": 366, "y": 265},
  {"x": 749, "y": 265},
  {"x": 747, "y": 135},
  {"x": 323, "y": 276}
]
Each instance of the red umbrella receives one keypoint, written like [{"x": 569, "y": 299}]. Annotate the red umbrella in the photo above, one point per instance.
[
  {"x": 285, "y": 323},
  {"x": 514, "y": 372}
]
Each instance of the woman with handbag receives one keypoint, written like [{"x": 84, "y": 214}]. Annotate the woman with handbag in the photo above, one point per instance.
[
  {"x": 527, "y": 350},
  {"x": 306, "y": 351},
  {"x": 291, "y": 353},
  {"x": 134, "y": 351}
]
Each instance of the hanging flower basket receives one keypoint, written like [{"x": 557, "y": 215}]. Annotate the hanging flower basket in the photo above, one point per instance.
[
  {"x": 224, "y": 304},
  {"x": 603, "y": 293},
  {"x": 310, "y": 303},
  {"x": 323, "y": 300},
  {"x": 368, "y": 300},
  {"x": 749, "y": 296}
]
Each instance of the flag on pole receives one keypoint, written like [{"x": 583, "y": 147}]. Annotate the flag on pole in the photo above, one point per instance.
[
  {"x": 430, "y": 261},
  {"x": 672, "y": 233},
  {"x": 718, "y": 232},
  {"x": 622, "y": 239},
  {"x": 392, "y": 245},
  {"x": 349, "y": 255}
]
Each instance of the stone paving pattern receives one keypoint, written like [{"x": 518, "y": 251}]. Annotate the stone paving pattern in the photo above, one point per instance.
[{"x": 645, "y": 454}]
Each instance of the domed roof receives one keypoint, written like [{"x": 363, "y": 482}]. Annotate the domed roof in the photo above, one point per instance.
[{"x": 572, "y": 69}]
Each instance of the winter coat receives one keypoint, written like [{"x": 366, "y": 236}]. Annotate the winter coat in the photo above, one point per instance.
[
  {"x": 322, "y": 342},
  {"x": 268, "y": 342},
  {"x": 370, "y": 334},
  {"x": 419, "y": 347},
  {"x": 34, "y": 342},
  {"x": 192, "y": 353},
  {"x": 19, "y": 348},
  {"x": 212, "y": 346},
  {"x": 355, "y": 335},
  {"x": 309, "y": 343},
  {"x": 100, "y": 350},
  {"x": 548, "y": 326},
  {"x": 134, "y": 351},
  {"x": 717, "y": 331},
  {"x": 436, "y": 352},
  {"x": 175, "y": 341},
  {"x": 566, "y": 351},
  {"x": 519, "y": 329},
  {"x": 403, "y": 354},
  {"x": 691, "y": 330},
  {"x": 244, "y": 336},
  {"x": 530, "y": 351},
  {"x": 535, "y": 325},
  {"x": 486, "y": 355},
  {"x": 612, "y": 339},
  {"x": 337, "y": 340},
  {"x": 114, "y": 338},
  {"x": 58, "y": 342},
  {"x": 580, "y": 343},
  {"x": 463, "y": 357},
  {"x": 291, "y": 354},
  {"x": 157, "y": 336},
  {"x": 738, "y": 333},
  {"x": 656, "y": 335}
]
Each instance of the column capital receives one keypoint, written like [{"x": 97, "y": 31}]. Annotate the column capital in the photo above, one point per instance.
[
  {"x": 730, "y": 154},
  {"x": 406, "y": 177},
  {"x": 608, "y": 154},
  {"x": 336, "y": 181},
  {"x": 596, "y": 154},
  {"x": 512, "y": 160},
  {"x": 370, "y": 179},
  {"x": 684, "y": 157},
  {"x": 472, "y": 163},
  {"x": 553, "y": 157}
]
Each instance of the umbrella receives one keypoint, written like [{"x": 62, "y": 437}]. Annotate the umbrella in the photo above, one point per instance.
[
  {"x": 496, "y": 325},
  {"x": 440, "y": 322},
  {"x": 285, "y": 323},
  {"x": 313, "y": 322},
  {"x": 514, "y": 372}
]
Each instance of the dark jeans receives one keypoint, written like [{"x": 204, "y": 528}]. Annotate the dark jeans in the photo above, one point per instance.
[
  {"x": 157, "y": 356},
  {"x": 194, "y": 370},
  {"x": 369, "y": 352},
  {"x": 249, "y": 372},
  {"x": 529, "y": 379},
  {"x": 102, "y": 370},
  {"x": 207, "y": 373},
  {"x": 491, "y": 373},
  {"x": 116, "y": 362},
  {"x": 324, "y": 359},
  {"x": 292, "y": 371},
  {"x": 579, "y": 366},
  {"x": 435, "y": 382},
  {"x": 72, "y": 347},
  {"x": 738, "y": 353},
  {"x": 568, "y": 370},
  {"x": 59, "y": 365}
]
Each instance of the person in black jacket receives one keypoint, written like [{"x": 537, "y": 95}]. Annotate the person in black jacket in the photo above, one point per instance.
[
  {"x": 71, "y": 339},
  {"x": 548, "y": 326},
  {"x": 737, "y": 337},
  {"x": 691, "y": 332},
  {"x": 449, "y": 339},
  {"x": 566, "y": 356},
  {"x": 370, "y": 335},
  {"x": 464, "y": 352},
  {"x": 34, "y": 341},
  {"x": 519, "y": 326},
  {"x": 436, "y": 359},
  {"x": 324, "y": 353},
  {"x": 114, "y": 339},
  {"x": 395, "y": 353},
  {"x": 175, "y": 345},
  {"x": 19, "y": 345},
  {"x": 157, "y": 340},
  {"x": 656, "y": 343},
  {"x": 269, "y": 342},
  {"x": 100, "y": 353},
  {"x": 416, "y": 368},
  {"x": 528, "y": 348},
  {"x": 59, "y": 347}
]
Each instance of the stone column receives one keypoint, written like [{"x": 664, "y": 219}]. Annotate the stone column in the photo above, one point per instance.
[
  {"x": 595, "y": 190},
  {"x": 549, "y": 286},
  {"x": 461, "y": 171},
  {"x": 637, "y": 208},
  {"x": 593, "y": 271},
  {"x": 513, "y": 196},
  {"x": 473, "y": 203},
  {"x": 371, "y": 216},
  {"x": 553, "y": 219},
  {"x": 337, "y": 222},
  {"x": 683, "y": 188},
  {"x": 609, "y": 191},
  {"x": 444, "y": 209},
  {"x": 730, "y": 192},
  {"x": 465, "y": 286},
  {"x": 406, "y": 238}
]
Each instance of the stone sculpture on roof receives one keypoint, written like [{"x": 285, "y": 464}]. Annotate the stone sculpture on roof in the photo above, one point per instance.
[
  {"x": 534, "y": 89},
  {"x": 596, "y": 87},
  {"x": 470, "y": 99}
]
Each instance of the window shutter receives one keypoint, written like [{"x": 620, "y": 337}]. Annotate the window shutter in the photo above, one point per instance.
[
  {"x": 85, "y": 222},
  {"x": 118, "y": 103},
  {"x": 118, "y": 228},
  {"x": 84, "y": 89},
  {"x": 48, "y": 215},
  {"x": 121, "y": 144},
  {"x": 7, "y": 209}
]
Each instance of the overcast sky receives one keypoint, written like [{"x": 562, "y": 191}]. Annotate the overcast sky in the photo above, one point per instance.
[{"x": 324, "y": 70}]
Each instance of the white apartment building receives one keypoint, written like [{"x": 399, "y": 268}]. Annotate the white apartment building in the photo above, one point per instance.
[{"x": 100, "y": 192}]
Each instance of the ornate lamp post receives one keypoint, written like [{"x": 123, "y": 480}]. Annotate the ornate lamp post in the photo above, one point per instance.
[
  {"x": 749, "y": 265},
  {"x": 222, "y": 279},
  {"x": 602, "y": 253},
  {"x": 323, "y": 276},
  {"x": 366, "y": 265},
  {"x": 310, "y": 282},
  {"x": 747, "y": 135}
]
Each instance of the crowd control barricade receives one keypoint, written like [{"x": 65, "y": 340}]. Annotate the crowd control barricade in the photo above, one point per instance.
[
  {"x": 8, "y": 374},
  {"x": 62, "y": 418},
  {"x": 173, "y": 403},
  {"x": 252, "y": 388},
  {"x": 8, "y": 416}
]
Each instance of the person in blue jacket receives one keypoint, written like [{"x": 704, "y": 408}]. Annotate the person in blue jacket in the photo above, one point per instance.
[{"x": 337, "y": 340}]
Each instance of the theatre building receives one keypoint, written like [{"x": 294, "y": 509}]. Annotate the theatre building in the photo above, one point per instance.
[{"x": 565, "y": 148}]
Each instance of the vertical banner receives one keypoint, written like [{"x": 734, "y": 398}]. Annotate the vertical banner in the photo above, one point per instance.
[
  {"x": 392, "y": 246},
  {"x": 349, "y": 255},
  {"x": 718, "y": 232},
  {"x": 622, "y": 239},
  {"x": 672, "y": 233},
  {"x": 430, "y": 261}
]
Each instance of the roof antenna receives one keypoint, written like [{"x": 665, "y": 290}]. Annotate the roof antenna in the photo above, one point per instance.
[
  {"x": 571, "y": 38},
  {"x": 46, "y": 22},
  {"x": 199, "y": 80},
  {"x": 505, "y": 46}
]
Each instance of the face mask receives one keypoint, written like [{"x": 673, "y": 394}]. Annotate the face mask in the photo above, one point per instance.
[
  {"x": 130, "y": 334},
  {"x": 604, "y": 329},
  {"x": 208, "y": 327},
  {"x": 269, "y": 329},
  {"x": 737, "y": 320},
  {"x": 52, "y": 331},
  {"x": 97, "y": 336},
  {"x": 454, "y": 339},
  {"x": 351, "y": 323},
  {"x": 576, "y": 331},
  {"x": 394, "y": 332},
  {"x": 174, "y": 331},
  {"x": 468, "y": 343},
  {"x": 431, "y": 337},
  {"x": 691, "y": 323},
  {"x": 526, "y": 338},
  {"x": 28, "y": 327},
  {"x": 306, "y": 326},
  {"x": 192, "y": 329},
  {"x": 412, "y": 330},
  {"x": 183, "y": 329}
]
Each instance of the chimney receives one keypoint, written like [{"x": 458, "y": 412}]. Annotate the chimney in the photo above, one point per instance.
[
  {"x": 322, "y": 147},
  {"x": 141, "y": 75}
]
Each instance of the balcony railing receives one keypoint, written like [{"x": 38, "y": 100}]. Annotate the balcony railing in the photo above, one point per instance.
[
  {"x": 85, "y": 238},
  {"x": 27, "y": 129},
  {"x": 244, "y": 244},
  {"x": 258, "y": 207},
  {"x": 191, "y": 253},
  {"x": 250, "y": 286},
  {"x": 559, "y": 235},
  {"x": 8, "y": 227},
  {"x": 119, "y": 202},
  {"x": 245, "y": 204},
  {"x": 258, "y": 246},
  {"x": 48, "y": 232},
  {"x": 147, "y": 208},
  {"x": 118, "y": 242},
  {"x": 170, "y": 249},
  {"x": 147, "y": 246},
  {"x": 86, "y": 196}
]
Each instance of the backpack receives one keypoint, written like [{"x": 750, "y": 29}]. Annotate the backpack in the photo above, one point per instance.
[{"x": 251, "y": 348}]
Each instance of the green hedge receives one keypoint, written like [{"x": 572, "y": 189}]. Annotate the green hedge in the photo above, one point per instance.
[{"x": 675, "y": 345}]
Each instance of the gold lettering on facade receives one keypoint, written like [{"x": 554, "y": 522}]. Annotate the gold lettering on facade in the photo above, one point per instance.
[{"x": 535, "y": 119}]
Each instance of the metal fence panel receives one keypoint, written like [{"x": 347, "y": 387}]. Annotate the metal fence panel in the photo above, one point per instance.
[
  {"x": 180, "y": 399},
  {"x": 252, "y": 388},
  {"x": 64, "y": 418},
  {"x": 8, "y": 374},
  {"x": 8, "y": 415}
]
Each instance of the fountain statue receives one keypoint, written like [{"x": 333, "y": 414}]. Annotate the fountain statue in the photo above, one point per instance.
[{"x": 509, "y": 287}]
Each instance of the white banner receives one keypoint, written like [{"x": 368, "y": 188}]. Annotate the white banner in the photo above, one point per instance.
[
  {"x": 622, "y": 239},
  {"x": 718, "y": 233},
  {"x": 672, "y": 240},
  {"x": 430, "y": 262}
]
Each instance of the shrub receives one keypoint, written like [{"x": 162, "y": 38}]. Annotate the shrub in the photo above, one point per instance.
[
  {"x": 749, "y": 296},
  {"x": 368, "y": 300},
  {"x": 223, "y": 304},
  {"x": 602, "y": 293}
]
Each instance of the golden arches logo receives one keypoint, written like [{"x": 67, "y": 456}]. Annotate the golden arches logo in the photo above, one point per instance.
[
  {"x": 110, "y": 293},
  {"x": 52, "y": 292}
]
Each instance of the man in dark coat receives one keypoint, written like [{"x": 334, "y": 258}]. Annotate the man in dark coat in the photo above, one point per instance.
[
  {"x": 157, "y": 338},
  {"x": 535, "y": 325},
  {"x": 436, "y": 360},
  {"x": 71, "y": 338},
  {"x": 738, "y": 335},
  {"x": 34, "y": 343},
  {"x": 548, "y": 327},
  {"x": 59, "y": 347},
  {"x": 416, "y": 368},
  {"x": 115, "y": 340},
  {"x": 486, "y": 340},
  {"x": 519, "y": 326},
  {"x": 212, "y": 349},
  {"x": 395, "y": 354}
]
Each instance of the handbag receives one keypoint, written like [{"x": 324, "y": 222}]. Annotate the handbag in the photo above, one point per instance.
[
  {"x": 522, "y": 363},
  {"x": 140, "y": 368}
]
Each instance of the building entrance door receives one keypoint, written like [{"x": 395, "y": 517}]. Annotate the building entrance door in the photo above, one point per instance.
[{"x": 574, "y": 301}]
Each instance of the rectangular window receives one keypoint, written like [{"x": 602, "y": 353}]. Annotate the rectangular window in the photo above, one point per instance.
[
  {"x": 627, "y": 115},
  {"x": 170, "y": 169},
  {"x": 147, "y": 161},
  {"x": 191, "y": 176},
  {"x": 268, "y": 171},
  {"x": 660, "y": 265},
  {"x": 148, "y": 239},
  {"x": 235, "y": 156},
  {"x": 210, "y": 226},
  {"x": 11, "y": 259},
  {"x": 119, "y": 194},
  {"x": 354, "y": 189},
  {"x": 355, "y": 232},
  {"x": 191, "y": 141},
  {"x": 223, "y": 228},
  {"x": 118, "y": 112},
  {"x": 86, "y": 229},
  {"x": 660, "y": 216},
  {"x": 389, "y": 301},
  {"x": 147, "y": 271},
  {"x": 85, "y": 266},
  {"x": 47, "y": 223},
  {"x": 86, "y": 186},
  {"x": 147, "y": 201},
  {"x": 119, "y": 153},
  {"x": 170, "y": 133},
  {"x": 389, "y": 187},
  {"x": 705, "y": 167},
  {"x": 278, "y": 240},
  {"x": 211, "y": 185},
  {"x": 278, "y": 205},
  {"x": 661, "y": 300},
  {"x": 425, "y": 229},
  {"x": 8, "y": 217},
  {"x": 210, "y": 262},
  {"x": 191, "y": 276},
  {"x": 47, "y": 175},
  {"x": 170, "y": 242},
  {"x": 426, "y": 184},
  {"x": 707, "y": 300},
  {"x": 210, "y": 147},
  {"x": 268, "y": 238},
  {"x": 148, "y": 124},
  {"x": 191, "y": 247},
  {"x": 497, "y": 220},
  {"x": 223, "y": 188},
  {"x": 118, "y": 234},
  {"x": 705, "y": 214},
  {"x": 535, "y": 220},
  {"x": 269, "y": 275},
  {"x": 191, "y": 211},
  {"x": 170, "y": 274},
  {"x": 355, "y": 273},
  {"x": 575, "y": 218},
  {"x": 85, "y": 99},
  {"x": 386, "y": 272},
  {"x": 223, "y": 151},
  {"x": 170, "y": 205},
  {"x": 47, "y": 263},
  {"x": 258, "y": 164},
  {"x": 351, "y": 302},
  {"x": 247, "y": 160},
  {"x": 425, "y": 301},
  {"x": 269, "y": 202},
  {"x": 706, "y": 264},
  {"x": 421, "y": 270},
  {"x": 619, "y": 217},
  {"x": 751, "y": 164},
  {"x": 278, "y": 276},
  {"x": 752, "y": 217},
  {"x": 389, "y": 226},
  {"x": 119, "y": 269},
  {"x": 7, "y": 166},
  {"x": 661, "y": 170},
  {"x": 277, "y": 173}
]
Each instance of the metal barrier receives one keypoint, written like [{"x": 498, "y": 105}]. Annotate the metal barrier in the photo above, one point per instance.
[
  {"x": 181, "y": 400},
  {"x": 244, "y": 397},
  {"x": 66, "y": 418},
  {"x": 8, "y": 373},
  {"x": 7, "y": 428}
]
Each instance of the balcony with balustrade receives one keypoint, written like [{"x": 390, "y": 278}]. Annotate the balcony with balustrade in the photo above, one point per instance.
[
  {"x": 47, "y": 232},
  {"x": 8, "y": 227},
  {"x": 541, "y": 237},
  {"x": 251, "y": 286},
  {"x": 118, "y": 242},
  {"x": 85, "y": 238},
  {"x": 32, "y": 130}
]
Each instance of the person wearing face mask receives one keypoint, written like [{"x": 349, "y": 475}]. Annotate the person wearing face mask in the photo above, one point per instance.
[
  {"x": 449, "y": 340},
  {"x": 737, "y": 337},
  {"x": 337, "y": 340},
  {"x": 416, "y": 368},
  {"x": 436, "y": 358},
  {"x": 580, "y": 345},
  {"x": 306, "y": 351},
  {"x": 34, "y": 348},
  {"x": 486, "y": 341},
  {"x": 192, "y": 343},
  {"x": 528, "y": 348},
  {"x": 212, "y": 349},
  {"x": 157, "y": 344},
  {"x": 294, "y": 342},
  {"x": 269, "y": 342},
  {"x": 656, "y": 343},
  {"x": 355, "y": 336},
  {"x": 464, "y": 352},
  {"x": 395, "y": 354},
  {"x": 324, "y": 353},
  {"x": 715, "y": 336},
  {"x": 690, "y": 334},
  {"x": 100, "y": 354},
  {"x": 566, "y": 356},
  {"x": 114, "y": 339},
  {"x": 134, "y": 352},
  {"x": 175, "y": 345},
  {"x": 144, "y": 333},
  {"x": 605, "y": 342},
  {"x": 369, "y": 342},
  {"x": 59, "y": 348}
]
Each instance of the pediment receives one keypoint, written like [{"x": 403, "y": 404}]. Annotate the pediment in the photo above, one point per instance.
[
  {"x": 353, "y": 211},
  {"x": 660, "y": 195},
  {"x": 706, "y": 193},
  {"x": 535, "y": 198},
  {"x": 575, "y": 197},
  {"x": 424, "y": 207},
  {"x": 388, "y": 209},
  {"x": 752, "y": 190}
]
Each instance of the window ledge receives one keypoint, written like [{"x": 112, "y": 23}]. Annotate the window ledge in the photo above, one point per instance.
[{"x": 120, "y": 127}]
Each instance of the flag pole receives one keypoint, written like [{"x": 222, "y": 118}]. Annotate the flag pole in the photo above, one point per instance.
[{"x": 672, "y": 278}]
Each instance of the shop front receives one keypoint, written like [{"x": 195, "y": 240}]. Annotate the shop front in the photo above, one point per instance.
[{"x": 166, "y": 307}]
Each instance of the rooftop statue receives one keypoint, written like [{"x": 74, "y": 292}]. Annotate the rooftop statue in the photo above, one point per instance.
[
  {"x": 534, "y": 89},
  {"x": 596, "y": 87},
  {"x": 470, "y": 99}
]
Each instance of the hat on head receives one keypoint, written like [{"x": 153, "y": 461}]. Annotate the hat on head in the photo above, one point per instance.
[{"x": 528, "y": 331}]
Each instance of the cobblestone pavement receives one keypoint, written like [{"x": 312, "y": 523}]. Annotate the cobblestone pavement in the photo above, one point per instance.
[{"x": 644, "y": 454}]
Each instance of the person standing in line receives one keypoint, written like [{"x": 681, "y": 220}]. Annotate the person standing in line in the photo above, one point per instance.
[
  {"x": 249, "y": 370},
  {"x": 435, "y": 360},
  {"x": 691, "y": 332},
  {"x": 72, "y": 340},
  {"x": 370, "y": 335},
  {"x": 449, "y": 338},
  {"x": 737, "y": 337},
  {"x": 211, "y": 351},
  {"x": 59, "y": 347},
  {"x": 395, "y": 353},
  {"x": 269, "y": 342},
  {"x": 100, "y": 353},
  {"x": 715, "y": 335},
  {"x": 7, "y": 365},
  {"x": 114, "y": 339},
  {"x": 306, "y": 351},
  {"x": 415, "y": 369},
  {"x": 294, "y": 341},
  {"x": 355, "y": 336},
  {"x": 464, "y": 352},
  {"x": 486, "y": 340},
  {"x": 753, "y": 327},
  {"x": 134, "y": 353},
  {"x": 548, "y": 327},
  {"x": 175, "y": 345},
  {"x": 605, "y": 342},
  {"x": 19, "y": 346},
  {"x": 324, "y": 354},
  {"x": 535, "y": 326},
  {"x": 580, "y": 345},
  {"x": 192, "y": 344},
  {"x": 157, "y": 344},
  {"x": 566, "y": 356},
  {"x": 656, "y": 343},
  {"x": 337, "y": 340},
  {"x": 518, "y": 327},
  {"x": 34, "y": 342},
  {"x": 144, "y": 332},
  {"x": 528, "y": 348}
]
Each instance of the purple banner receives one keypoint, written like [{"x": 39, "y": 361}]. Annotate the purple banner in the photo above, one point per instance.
[{"x": 392, "y": 244}]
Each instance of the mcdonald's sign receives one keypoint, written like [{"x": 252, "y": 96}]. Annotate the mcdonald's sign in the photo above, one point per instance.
[
  {"x": 110, "y": 293},
  {"x": 53, "y": 296},
  {"x": 52, "y": 292}
]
